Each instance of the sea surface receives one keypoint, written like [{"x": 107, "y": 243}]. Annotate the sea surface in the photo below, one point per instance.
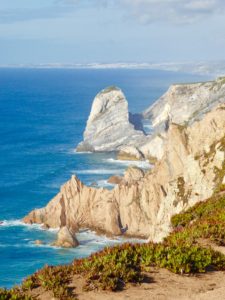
[{"x": 43, "y": 113}]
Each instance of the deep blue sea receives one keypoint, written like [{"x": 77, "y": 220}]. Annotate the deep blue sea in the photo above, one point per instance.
[{"x": 43, "y": 116}]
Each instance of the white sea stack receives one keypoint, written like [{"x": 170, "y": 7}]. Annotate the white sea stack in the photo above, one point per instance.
[{"x": 109, "y": 126}]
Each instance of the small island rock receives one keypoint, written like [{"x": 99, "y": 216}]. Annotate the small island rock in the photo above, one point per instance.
[
  {"x": 66, "y": 239},
  {"x": 38, "y": 242}
]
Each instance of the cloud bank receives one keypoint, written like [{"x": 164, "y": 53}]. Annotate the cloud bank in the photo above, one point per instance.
[
  {"x": 144, "y": 11},
  {"x": 174, "y": 11}
]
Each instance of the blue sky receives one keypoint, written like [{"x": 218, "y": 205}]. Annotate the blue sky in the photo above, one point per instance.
[{"x": 83, "y": 31}]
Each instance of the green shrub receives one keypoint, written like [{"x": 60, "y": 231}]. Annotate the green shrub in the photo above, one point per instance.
[
  {"x": 111, "y": 268},
  {"x": 14, "y": 294},
  {"x": 55, "y": 279}
]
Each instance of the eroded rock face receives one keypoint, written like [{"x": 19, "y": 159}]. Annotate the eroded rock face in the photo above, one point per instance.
[
  {"x": 185, "y": 103},
  {"x": 130, "y": 153},
  {"x": 109, "y": 125},
  {"x": 192, "y": 166},
  {"x": 66, "y": 239}
]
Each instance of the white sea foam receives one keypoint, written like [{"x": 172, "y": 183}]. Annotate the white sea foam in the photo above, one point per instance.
[
  {"x": 12, "y": 223},
  {"x": 104, "y": 183},
  {"x": 142, "y": 164},
  {"x": 20, "y": 223},
  {"x": 74, "y": 151},
  {"x": 99, "y": 171}
]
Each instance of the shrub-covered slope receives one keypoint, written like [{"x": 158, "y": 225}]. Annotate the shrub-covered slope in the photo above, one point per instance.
[{"x": 113, "y": 268}]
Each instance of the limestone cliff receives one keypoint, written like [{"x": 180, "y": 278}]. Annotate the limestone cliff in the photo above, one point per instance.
[
  {"x": 191, "y": 168},
  {"x": 110, "y": 125},
  {"x": 185, "y": 103}
]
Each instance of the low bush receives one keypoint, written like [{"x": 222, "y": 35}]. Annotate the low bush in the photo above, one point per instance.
[
  {"x": 55, "y": 279},
  {"x": 14, "y": 294},
  {"x": 112, "y": 268}
]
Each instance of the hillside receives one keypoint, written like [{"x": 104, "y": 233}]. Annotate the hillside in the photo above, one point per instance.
[{"x": 195, "y": 245}]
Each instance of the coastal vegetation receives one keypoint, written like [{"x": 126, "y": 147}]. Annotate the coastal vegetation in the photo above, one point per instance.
[{"x": 182, "y": 252}]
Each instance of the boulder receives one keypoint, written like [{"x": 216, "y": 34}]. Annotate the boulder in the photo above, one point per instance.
[
  {"x": 66, "y": 239},
  {"x": 114, "y": 179},
  {"x": 38, "y": 242}
]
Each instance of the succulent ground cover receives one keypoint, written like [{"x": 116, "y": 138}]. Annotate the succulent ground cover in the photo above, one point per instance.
[{"x": 113, "y": 268}]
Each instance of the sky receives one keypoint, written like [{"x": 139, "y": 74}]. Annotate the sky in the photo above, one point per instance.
[{"x": 109, "y": 31}]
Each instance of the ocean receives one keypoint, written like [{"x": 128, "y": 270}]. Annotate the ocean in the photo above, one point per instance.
[{"x": 43, "y": 116}]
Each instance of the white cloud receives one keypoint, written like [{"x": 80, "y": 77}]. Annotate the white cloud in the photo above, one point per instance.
[
  {"x": 173, "y": 11},
  {"x": 145, "y": 11}
]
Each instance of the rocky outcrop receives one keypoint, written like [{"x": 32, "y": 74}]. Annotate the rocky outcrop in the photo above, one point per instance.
[
  {"x": 185, "y": 103},
  {"x": 38, "y": 242},
  {"x": 130, "y": 153},
  {"x": 110, "y": 125},
  {"x": 191, "y": 168},
  {"x": 66, "y": 238},
  {"x": 114, "y": 179}
]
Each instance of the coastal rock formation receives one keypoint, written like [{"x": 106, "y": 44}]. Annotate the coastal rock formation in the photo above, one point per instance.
[
  {"x": 110, "y": 125},
  {"x": 115, "y": 179},
  {"x": 66, "y": 239},
  {"x": 38, "y": 242},
  {"x": 130, "y": 153},
  {"x": 184, "y": 103},
  {"x": 191, "y": 168}
]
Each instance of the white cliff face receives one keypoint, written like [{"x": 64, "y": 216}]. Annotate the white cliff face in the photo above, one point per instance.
[
  {"x": 184, "y": 103},
  {"x": 191, "y": 168},
  {"x": 108, "y": 126}
]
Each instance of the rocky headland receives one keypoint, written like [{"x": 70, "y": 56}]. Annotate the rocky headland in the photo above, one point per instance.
[
  {"x": 188, "y": 145},
  {"x": 179, "y": 204}
]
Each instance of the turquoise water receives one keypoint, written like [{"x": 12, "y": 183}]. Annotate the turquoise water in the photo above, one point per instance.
[{"x": 43, "y": 116}]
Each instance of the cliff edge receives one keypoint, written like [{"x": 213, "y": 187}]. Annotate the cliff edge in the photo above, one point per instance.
[{"x": 191, "y": 168}]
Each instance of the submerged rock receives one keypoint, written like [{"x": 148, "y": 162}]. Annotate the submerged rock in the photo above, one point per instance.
[{"x": 66, "y": 239}]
